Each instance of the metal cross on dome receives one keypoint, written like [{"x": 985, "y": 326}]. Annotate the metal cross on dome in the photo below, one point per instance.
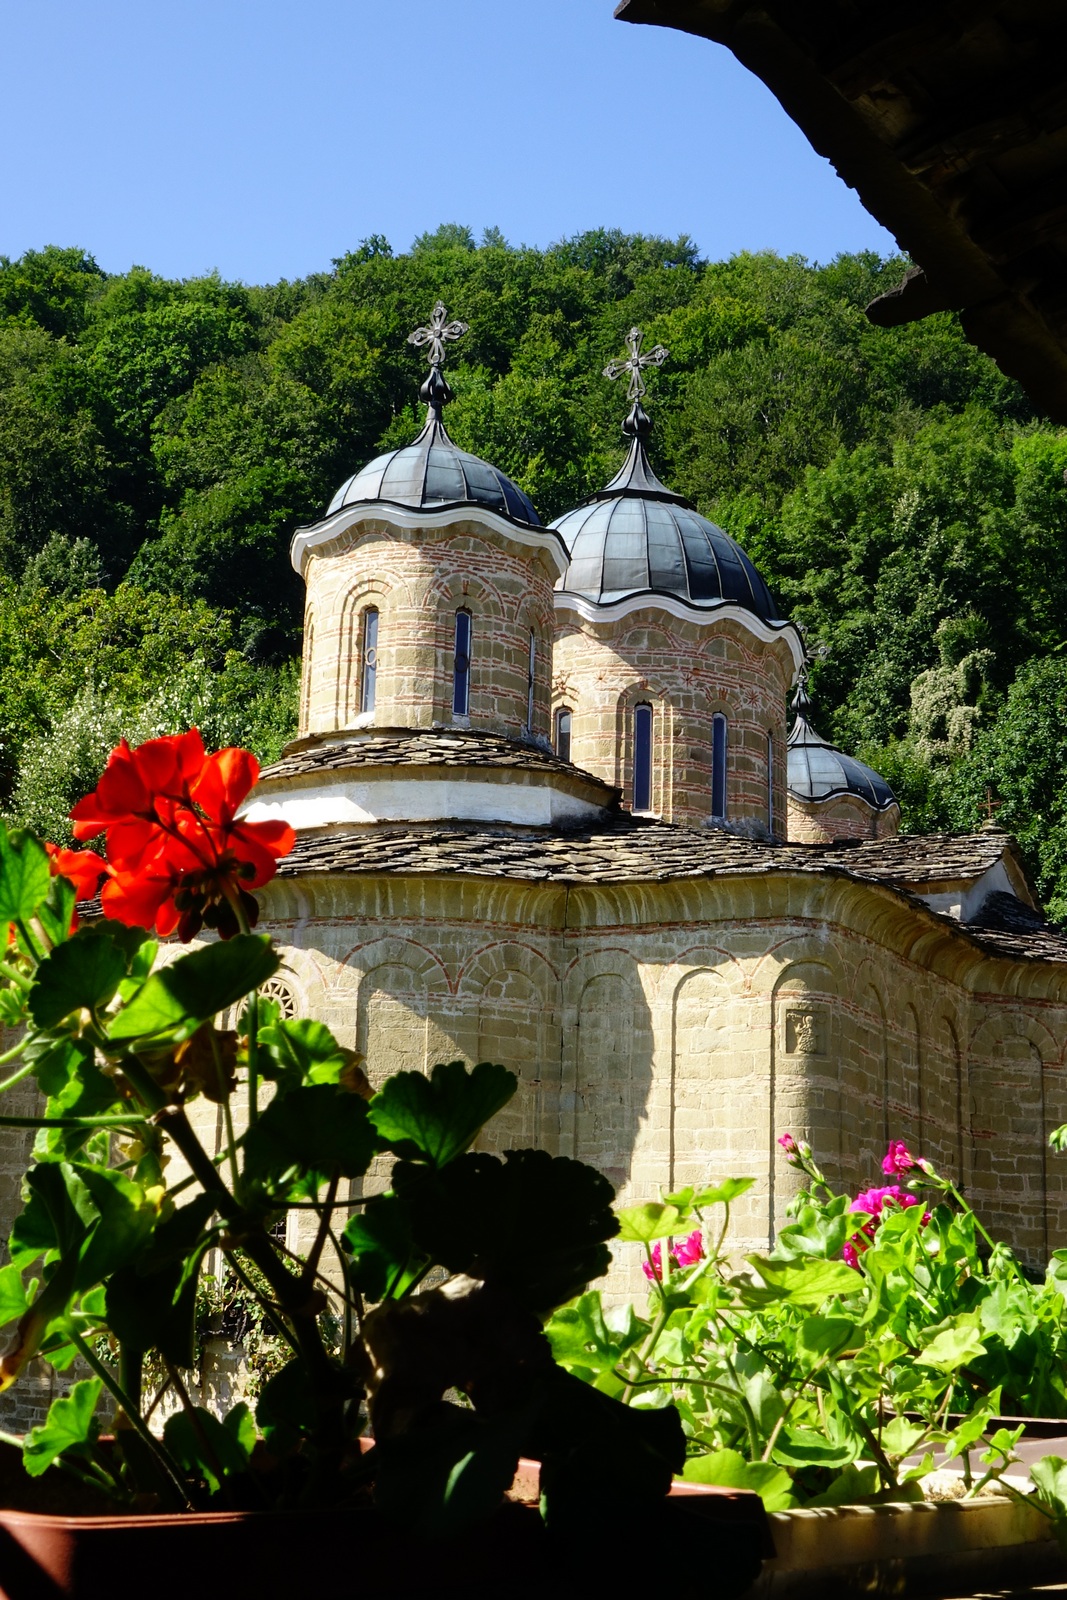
[
  {"x": 638, "y": 360},
  {"x": 438, "y": 331}
]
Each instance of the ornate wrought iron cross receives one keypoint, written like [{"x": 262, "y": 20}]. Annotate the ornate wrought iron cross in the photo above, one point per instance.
[
  {"x": 636, "y": 364},
  {"x": 438, "y": 331}
]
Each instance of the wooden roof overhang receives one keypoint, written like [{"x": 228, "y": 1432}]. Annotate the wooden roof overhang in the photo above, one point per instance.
[{"x": 949, "y": 119}]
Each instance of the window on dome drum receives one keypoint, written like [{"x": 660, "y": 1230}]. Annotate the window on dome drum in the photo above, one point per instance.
[
  {"x": 642, "y": 794},
  {"x": 563, "y": 735},
  {"x": 530, "y": 683},
  {"x": 718, "y": 765},
  {"x": 461, "y": 672},
  {"x": 770, "y": 783},
  {"x": 369, "y": 661}
]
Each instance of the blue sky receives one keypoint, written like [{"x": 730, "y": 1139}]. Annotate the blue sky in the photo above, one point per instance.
[{"x": 263, "y": 138}]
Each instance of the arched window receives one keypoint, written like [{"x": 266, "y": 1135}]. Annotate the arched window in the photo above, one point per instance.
[
  {"x": 530, "y": 683},
  {"x": 642, "y": 798},
  {"x": 309, "y": 651},
  {"x": 718, "y": 765},
  {"x": 461, "y": 671},
  {"x": 563, "y": 734},
  {"x": 770, "y": 783},
  {"x": 368, "y": 661}
]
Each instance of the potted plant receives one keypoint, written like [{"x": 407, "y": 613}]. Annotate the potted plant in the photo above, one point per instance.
[
  {"x": 884, "y": 1335},
  {"x": 123, "y": 1203}
]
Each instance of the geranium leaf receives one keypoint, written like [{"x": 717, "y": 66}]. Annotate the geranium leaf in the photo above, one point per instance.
[
  {"x": 179, "y": 997},
  {"x": 69, "y": 1424},
  {"x": 439, "y": 1117},
  {"x": 85, "y": 972},
  {"x": 306, "y": 1135},
  {"x": 379, "y": 1239},
  {"x": 24, "y": 875},
  {"x": 808, "y": 1282},
  {"x": 730, "y": 1469},
  {"x": 187, "y": 1443},
  {"x": 643, "y": 1224},
  {"x": 532, "y": 1225},
  {"x": 301, "y": 1049}
]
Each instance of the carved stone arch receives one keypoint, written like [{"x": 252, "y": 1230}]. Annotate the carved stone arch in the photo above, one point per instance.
[
  {"x": 454, "y": 591},
  {"x": 607, "y": 1070},
  {"x": 865, "y": 1069},
  {"x": 1010, "y": 1125},
  {"x": 947, "y": 1101},
  {"x": 370, "y": 591},
  {"x": 307, "y": 668},
  {"x": 511, "y": 995},
  {"x": 663, "y": 733},
  {"x": 805, "y": 1097},
  {"x": 718, "y": 1081}
]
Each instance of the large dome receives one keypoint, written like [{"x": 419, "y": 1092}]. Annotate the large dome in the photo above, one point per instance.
[
  {"x": 636, "y": 537},
  {"x": 431, "y": 473}
]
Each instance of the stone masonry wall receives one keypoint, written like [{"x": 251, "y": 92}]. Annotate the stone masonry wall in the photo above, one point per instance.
[
  {"x": 668, "y": 1033},
  {"x": 687, "y": 670},
  {"x": 417, "y": 582}
]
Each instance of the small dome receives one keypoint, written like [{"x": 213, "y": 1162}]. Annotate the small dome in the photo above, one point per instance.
[
  {"x": 432, "y": 472},
  {"x": 636, "y": 537},
  {"x": 816, "y": 771}
]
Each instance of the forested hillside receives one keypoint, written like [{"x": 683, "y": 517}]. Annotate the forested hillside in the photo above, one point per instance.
[{"x": 160, "y": 440}]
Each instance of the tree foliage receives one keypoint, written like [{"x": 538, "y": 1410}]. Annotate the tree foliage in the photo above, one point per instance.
[{"x": 160, "y": 441}]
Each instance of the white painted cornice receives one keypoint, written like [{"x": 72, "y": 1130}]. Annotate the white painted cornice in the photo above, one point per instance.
[
  {"x": 307, "y": 540},
  {"x": 767, "y": 632}
]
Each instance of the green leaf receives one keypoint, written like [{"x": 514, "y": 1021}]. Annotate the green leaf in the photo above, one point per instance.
[
  {"x": 803, "y": 1447},
  {"x": 206, "y": 1449},
  {"x": 439, "y": 1117},
  {"x": 582, "y": 1340},
  {"x": 69, "y": 1424},
  {"x": 444, "y": 1477},
  {"x": 240, "y": 1423},
  {"x": 302, "y": 1050},
  {"x": 305, "y": 1136},
  {"x": 730, "y": 1469},
  {"x": 532, "y": 1225},
  {"x": 723, "y": 1194},
  {"x": 1050, "y": 1480},
  {"x": 384, "y": 1262},
  {"x": 83, "y": 973},
  {"x": 643, "y": 1224},
  {"x": 13, "y": 1300},
  {"x": 819, "y": 1338},
  {"x": 124, "y": 1222},
  {"x": 900, "y": 1437},
  {"x": 952, "y": 1343},
  {"x": 151, "y": 1304},
  {"x": 179, "y": 997},
  {"x": 809, "y": 1282},
  {"x": 286, "y": 1408},
  {"x": 853, "y": 1487},
  {"x": 24, "y": 875}
]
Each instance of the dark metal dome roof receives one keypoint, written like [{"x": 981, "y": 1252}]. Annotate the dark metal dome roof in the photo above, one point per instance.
[
  {"x": 817, "y": 771},
  {"x": 432, "y": 472},
  {"x": 636, "y": 537}
]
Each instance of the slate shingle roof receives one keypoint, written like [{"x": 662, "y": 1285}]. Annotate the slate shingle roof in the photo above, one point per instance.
[{"x": 400, "y": 748}]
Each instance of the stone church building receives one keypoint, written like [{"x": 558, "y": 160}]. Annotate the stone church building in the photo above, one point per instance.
[{"x": 550, "y": 814}]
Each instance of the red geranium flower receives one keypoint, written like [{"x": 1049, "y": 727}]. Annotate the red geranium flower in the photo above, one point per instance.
[
  {"x": 177, "y": 856},
  {"x": 82, "y": 868}
]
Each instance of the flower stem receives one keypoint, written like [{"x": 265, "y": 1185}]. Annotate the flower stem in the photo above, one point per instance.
[{"x": 132, "y": 1414}]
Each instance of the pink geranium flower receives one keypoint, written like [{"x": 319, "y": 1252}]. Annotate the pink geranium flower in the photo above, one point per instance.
[
  {"x": 898, "y": 1158},
  {"x": 788, "y": 1144},
  {"x": 685, "y": 1253},
  {"x": 873, "y": 1201},
  {"x": 850, "y": 1255}
]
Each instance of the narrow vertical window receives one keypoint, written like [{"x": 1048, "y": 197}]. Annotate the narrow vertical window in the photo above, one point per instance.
[
  {"x": 642, "y": 758},
  {"x": 461, "y": 673},
  {"x": 718, "y": 765},
  {"x": 770, "y": 783},
  {"x": 530, "y": 683},
  {"x": 369, "y": 661},
  {"x": 563, "y": 735}
]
